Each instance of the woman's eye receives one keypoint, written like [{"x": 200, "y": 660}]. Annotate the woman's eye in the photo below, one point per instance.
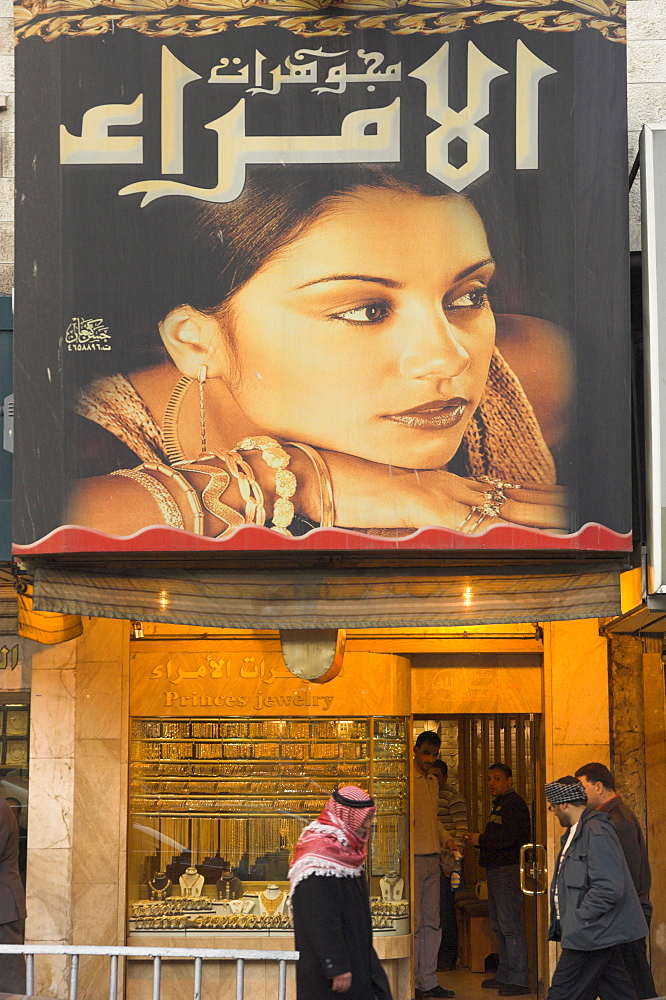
[
  {"x": 475, "y": 298},
  {"x": 373, "y": 312}
]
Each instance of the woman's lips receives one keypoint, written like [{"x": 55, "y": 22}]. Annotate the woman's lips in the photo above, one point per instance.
[{"x": 438, "y": 414}]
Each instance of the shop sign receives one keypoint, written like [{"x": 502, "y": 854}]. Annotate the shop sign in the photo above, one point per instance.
[
  {"x": 236, "y": 682},
  {"x": 316, "y": 275}
]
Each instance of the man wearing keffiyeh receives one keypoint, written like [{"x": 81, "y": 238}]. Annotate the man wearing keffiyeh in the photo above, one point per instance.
[
  {"x": 331, "y": 906},
  {"x": 594, "y": 906}
]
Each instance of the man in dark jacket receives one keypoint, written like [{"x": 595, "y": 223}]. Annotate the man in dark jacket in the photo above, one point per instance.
[
  {"x": 599, "y": 786},
  {"x": 507, "y": 829},
  {"x": 12, "y": 903},
  {"x": 594, "y": 906}
]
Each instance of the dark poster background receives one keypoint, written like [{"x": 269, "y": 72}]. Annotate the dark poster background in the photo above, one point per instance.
[{"x": 559, "y": 233}]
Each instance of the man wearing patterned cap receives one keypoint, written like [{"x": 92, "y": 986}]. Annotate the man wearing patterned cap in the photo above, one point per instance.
[
  {"x": 594, "y": 906},
  {"x": 331, "y": 905}
]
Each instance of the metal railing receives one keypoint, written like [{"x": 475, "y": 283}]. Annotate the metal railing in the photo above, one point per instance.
[{"x": 197, "y": 955}]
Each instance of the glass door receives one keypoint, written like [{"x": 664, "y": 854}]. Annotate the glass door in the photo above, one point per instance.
[
  {"x": 534, "y": 865},
  {"x": 471, "y": 743}
]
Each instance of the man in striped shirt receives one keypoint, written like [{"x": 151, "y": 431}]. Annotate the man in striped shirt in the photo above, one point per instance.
[{"x": 452, "y": 814}]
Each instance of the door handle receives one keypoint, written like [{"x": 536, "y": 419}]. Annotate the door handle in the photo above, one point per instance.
[{"x": 530, "y": 868}]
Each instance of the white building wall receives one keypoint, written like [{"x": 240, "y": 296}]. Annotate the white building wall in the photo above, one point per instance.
[{"x": 646, "y": 86}]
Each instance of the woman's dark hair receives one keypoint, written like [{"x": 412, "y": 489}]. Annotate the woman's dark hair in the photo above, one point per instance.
[
  {"x": 277, "y": 207},
  {"x": 221, "y": 246}
]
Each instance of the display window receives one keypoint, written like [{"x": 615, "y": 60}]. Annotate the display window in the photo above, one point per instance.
[
  {"x": 217, "y": 805},
  {"x": 14, "y": 764}
]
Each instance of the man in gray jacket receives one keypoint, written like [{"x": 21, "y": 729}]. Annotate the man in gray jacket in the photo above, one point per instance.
[
  {"x": 594, "y": 906},
  {"x": 599, "y": 786}
]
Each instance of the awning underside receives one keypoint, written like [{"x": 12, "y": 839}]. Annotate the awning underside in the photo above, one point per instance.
[{"x": 337, "y": 598}]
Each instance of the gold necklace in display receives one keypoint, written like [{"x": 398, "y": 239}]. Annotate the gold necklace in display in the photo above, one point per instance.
[{"x": 271, "y": 904}]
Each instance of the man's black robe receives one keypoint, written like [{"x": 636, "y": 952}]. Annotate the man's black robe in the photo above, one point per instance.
[{"x": 333, "y": 929}]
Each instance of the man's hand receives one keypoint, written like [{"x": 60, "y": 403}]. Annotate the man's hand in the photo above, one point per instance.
[
  {"x": 471, "y": 838},
  {"x": 451, "y": 845},
  {"x": 341, "y": 983}
]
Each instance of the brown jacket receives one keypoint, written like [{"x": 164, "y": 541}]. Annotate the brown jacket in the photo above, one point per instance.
[
  {"x": 633, "y": 844},
  {"x": 12, "y": 896}
]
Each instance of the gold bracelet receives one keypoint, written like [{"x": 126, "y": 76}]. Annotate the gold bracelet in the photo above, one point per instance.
[
  {"x": 276, "y": 458},
  {"x": 250, "y": 490},
  {"x": 189, "y": 491},
  {"x": 168, "y": 507},
  {"x": 327, "y": 504},
  {"x": 211, "y": 496}
]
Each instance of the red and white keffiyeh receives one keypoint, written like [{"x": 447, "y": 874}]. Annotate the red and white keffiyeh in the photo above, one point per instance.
[{"x": 334, "y": 844}]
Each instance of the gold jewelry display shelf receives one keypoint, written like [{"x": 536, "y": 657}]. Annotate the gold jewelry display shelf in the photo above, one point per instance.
[{"x": 241, "y": 790}]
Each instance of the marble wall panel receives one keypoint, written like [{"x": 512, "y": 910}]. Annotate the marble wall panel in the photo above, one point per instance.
[
  {"x": 98, "y": 713},
  {"x": 95, "y": 906},
  {"x": 51, "y": 974},
  {"x": 48, "y": 896},
  {"x": 567, "y": 759},
  {"x": 579, "y": 673},
  {"x": 60, "y": 656},
  {"x": 575, "y": 711},
  {"x": 96, "y": 820},
  {"x": 52, "y": 712},
  {"x": 51, "y": 804}
]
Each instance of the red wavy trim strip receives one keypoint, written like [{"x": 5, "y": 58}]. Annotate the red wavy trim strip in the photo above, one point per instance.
[{"x": 72, "y": 539}]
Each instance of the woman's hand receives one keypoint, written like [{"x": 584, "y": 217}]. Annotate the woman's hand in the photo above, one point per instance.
[
  {"x": 342, "y": 983},
  {"x": 368, "y": 495}
]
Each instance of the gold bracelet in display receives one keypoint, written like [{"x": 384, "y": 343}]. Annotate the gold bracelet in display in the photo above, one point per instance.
[
  {"x": 327, "y": 505},
  {"x": 275, "y": 458},
  {"x": 168, "y": 507}
]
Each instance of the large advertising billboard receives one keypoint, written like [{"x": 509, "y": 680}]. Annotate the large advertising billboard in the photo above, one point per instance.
[{"x": 300, "y": 274}]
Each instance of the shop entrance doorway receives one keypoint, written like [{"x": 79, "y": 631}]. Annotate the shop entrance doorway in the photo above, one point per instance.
[{"x": 470, "y": 744}]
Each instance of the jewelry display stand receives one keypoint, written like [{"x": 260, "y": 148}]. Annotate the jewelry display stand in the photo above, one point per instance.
[
  {"x": 272, "y": 901},
  {"x": 392, "y": 886},
  {"x": 242, "y": 790},
  {"x": 159, "y": 885},
  {"x": 228, "y": 885},
  {"x": 191, "y": 883}
]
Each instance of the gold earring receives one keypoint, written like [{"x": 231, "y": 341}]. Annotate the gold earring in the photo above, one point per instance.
[{"x": 172, "y": 412}]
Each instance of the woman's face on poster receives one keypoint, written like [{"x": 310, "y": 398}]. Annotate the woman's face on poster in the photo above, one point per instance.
[{"x": 371, "y": 334}]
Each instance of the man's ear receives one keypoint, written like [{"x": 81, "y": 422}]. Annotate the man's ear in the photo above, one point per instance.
[{"x": 193, "y": 339}]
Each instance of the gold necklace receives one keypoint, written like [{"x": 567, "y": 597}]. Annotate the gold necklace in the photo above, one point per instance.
[{"x": 271, "y": 905}]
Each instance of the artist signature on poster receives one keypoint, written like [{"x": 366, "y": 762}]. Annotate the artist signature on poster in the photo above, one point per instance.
[{"x": 87, "y": 335}]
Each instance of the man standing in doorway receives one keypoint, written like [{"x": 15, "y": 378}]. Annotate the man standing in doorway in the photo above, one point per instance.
[
  {"x": 452, "y": 814},
  {"x": 599, "y": 786},
  {"x": 430, "y": 838},
  {"x": 507, "y": 829},
  {"x": 593, "y": 902}
]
